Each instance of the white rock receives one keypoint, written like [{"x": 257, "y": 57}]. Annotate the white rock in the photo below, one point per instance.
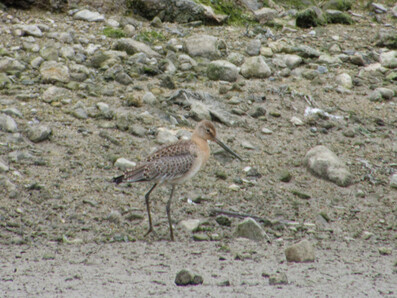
[
  {"x": 389, "y": 59},
  {"x": 292, "y": 61},
  {"x": 393, "y": 180},
  {"x": 202, "y": 45},
  {"x": 255, "y": 67},
  {"x": 90, "y": 16},
  {"x": 190, "y": 224},
  {"x": 165, "y": 136},
  {"x": 7, "y": 123},
  {"x": 124, "y": 164},
  {"x": 296, "y": 121},
  {"x": 344, "y": 80},
  {"x": 33, "y": 30},
  {"x": 324, "y": 163}
]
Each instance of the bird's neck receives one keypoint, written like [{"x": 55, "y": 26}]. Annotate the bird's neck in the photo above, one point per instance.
[{"x": 204, "y": 148}]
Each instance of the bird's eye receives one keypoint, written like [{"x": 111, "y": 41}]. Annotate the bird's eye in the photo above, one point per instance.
[{"x": 208, "y": 130}]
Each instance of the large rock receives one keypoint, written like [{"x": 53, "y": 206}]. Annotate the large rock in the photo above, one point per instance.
[
  {"x": 52, "y": 71},
  {"x": 222, "y": 70},
  {"x": 255, "y": 67},
  {"x": 204, "y": 46},
  {"x": 324, "y": 163}
]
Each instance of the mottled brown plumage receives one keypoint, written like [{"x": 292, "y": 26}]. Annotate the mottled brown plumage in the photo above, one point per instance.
[{"x": 174, "y": 164}]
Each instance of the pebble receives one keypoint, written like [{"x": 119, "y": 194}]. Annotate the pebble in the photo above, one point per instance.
[
  {"x": 344, "y": 80},
  {"x": 32, "y": 30},
  {"x": 249, "y": 228},
  {"x": 149, "y": 98},
  {"x": 202, "y": 45},
  {"x": 266, "y": 131},
  {"x": 255, "y": 67},
  {"x": 190, "y": 225},
  {"x": 323, "y": 162},
  {"x": 296, "y": 121},
  {"x": 165, "y": 136},
  {"x": 186, "y": 277},
  {"x": 124, "y": 164},
  {"x": 39, "y": 133},
  {"x": 279, "y": 278},
  {"x": 7, "y": 123},
  {"x": 393, "y": 181},
  {"x": 89, "y": 16},
  {"x": 222, "y": 70},
  {"x": 3, "y": 166},
  {"x": 253, "y": 47},
  {"x": 385, "y": 251},
  {"x": 300, "y": 252},
  {"x": 11, "y": 65},
  {"x": 52, "y": 71}
]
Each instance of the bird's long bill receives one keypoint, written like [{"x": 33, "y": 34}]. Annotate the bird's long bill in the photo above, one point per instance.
[{"x": 220, "y": 143}]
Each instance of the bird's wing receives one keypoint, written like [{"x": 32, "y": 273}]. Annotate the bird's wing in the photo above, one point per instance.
[{"x": 179, "y": 148}]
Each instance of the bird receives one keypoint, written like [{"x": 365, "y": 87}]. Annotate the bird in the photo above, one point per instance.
[{"x": 174, "y": 164}]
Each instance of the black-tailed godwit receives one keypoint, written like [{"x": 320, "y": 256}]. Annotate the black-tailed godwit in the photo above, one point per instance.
[{"x": 174, "y": 164}]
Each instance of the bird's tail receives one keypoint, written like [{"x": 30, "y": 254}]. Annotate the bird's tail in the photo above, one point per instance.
[
  {"x": 118, "y": 179},
  {"x": 136, "y": 174}
]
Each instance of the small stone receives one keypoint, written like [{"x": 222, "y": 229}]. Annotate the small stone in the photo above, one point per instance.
[
  {"x": 279, "y": 278},
  {"x": 300, "y": 252},
  {"x": 255, "y": 67},
  {"x": 132, "y": 101},
  {"x": 124, "y": 164},
  {"x": 385, "y": 92},
  {"x": 285, "y": 176},
  {"x": 165, "y": 136},
  {"x": 114, "y": 216},
  {"x": 349, "y": 132},
  {"x": 254, "y": 47},
  {"x": 296, "y": 121},
  {"x": 236, "y": 58},
  {"x": 52, "y": 71},
  {"x": 54, "y": 93},
  {"x": 393, "y": 181},
  {"x": 190, "y": 225},
  {"x": 385, "y": 251},
  {"x": 39, "y": 133},
  {"x": 344, "y": 80},
  {"x": 32, "y": 30},
  {"x": 203, "y": 45},
  {"x": 375, "y": 96},
  {"x": 3, "y": 166},
  {"x": 266, "y": 131},
  {"x": 11, "y": 66},
  {"x": 222, "y": 70},
  {"x": 250, "y": 229},
  {"x": 367, "y": 235},
  {"x": 185, "y": 277},
  {"x": 201, "y": 237},
  {"x": 7, "y": 123},
  {"x": 89, "y": 16},
  {"x": 223, "y": 221},
  {"x": 149, "y": 98},
  {"x": 323, "y": 162}
]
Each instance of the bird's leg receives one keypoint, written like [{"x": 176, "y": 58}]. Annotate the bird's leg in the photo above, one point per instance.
[
  {"x": 148, "y": 209},
  {"x": 168, "y": 209}
]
